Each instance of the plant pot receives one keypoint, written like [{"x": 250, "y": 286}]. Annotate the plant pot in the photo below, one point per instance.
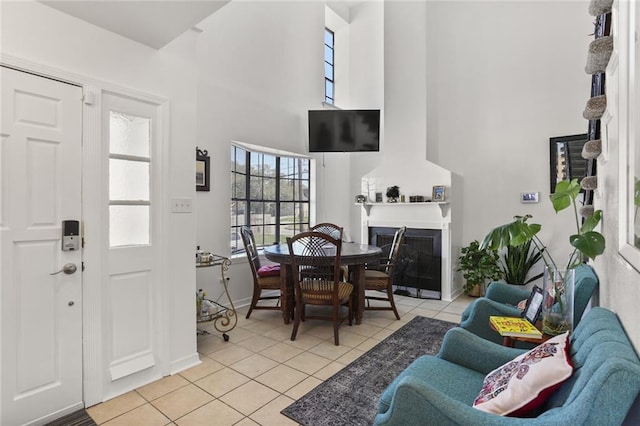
[
  {"x": 476, "y": 291},
  {"x": 557, "y": 308}
]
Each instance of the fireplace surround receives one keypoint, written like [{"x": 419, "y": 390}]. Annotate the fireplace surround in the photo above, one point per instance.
[{"x": 435, "y": 219}]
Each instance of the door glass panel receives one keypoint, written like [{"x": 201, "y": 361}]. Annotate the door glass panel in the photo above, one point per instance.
[
  {"x": 129, "y": 135},
  {"x": 128, "y": 225},
  {"x": 128, "y": 180}
]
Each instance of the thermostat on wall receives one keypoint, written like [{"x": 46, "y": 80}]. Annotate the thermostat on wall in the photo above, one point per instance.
[{"x": 529, "y": 197}]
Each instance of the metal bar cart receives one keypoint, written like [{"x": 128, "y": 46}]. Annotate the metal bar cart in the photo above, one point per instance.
[{"x": 207, "y": 310}]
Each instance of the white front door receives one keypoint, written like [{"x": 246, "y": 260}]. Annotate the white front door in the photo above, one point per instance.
[{"x": 40, "y": 186}]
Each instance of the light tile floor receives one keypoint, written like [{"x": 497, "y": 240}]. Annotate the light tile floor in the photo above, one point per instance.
[{"x": 259, "y": 371}]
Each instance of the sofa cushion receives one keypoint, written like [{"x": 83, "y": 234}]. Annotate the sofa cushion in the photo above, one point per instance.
[
  {"x": 523, "y": 384},
  {"x": 457, "y": 382},
  {"x": 269, "y": 270}
]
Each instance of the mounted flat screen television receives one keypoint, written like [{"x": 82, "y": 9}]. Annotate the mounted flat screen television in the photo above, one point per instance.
[{"x": 344, "y": 130}]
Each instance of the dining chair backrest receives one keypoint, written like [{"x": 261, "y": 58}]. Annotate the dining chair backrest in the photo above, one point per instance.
[
  {"x": 312, "y": 255},
  {"x": 396, "y": 246},
  {"x": 250, "y": 248},
  {"x": 331, "y": 229}
]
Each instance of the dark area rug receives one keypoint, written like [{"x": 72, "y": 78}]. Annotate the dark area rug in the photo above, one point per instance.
[
  {"x": 77, "y": 418},
  {"x": 350, "y": 396}
]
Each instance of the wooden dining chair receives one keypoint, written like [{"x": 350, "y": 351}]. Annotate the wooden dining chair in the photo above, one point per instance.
[
  {"x": 265, "y": 278},
  {"x": 312, "y": 254},
  {"x": 336, "y": 232},
  {"x": 381, "y": 278},
  {"x": 328, "y": 228}
]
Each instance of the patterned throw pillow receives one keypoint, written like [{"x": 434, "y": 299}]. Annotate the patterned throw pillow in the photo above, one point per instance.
[
  {"x": 269, "y": 270},
  {"x": 523, "y": 384}
]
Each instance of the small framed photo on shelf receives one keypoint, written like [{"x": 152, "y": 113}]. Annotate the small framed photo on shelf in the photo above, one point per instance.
[{"x": 438, "y": 193}]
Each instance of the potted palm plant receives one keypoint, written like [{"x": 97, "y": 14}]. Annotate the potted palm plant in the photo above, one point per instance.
[
  {"x": 586, "y": 243},
  {"x": 478, "y": 265}
]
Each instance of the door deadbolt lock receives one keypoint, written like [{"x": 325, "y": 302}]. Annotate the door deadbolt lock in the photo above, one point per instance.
[
  {"x": 68, "y": 269},
  {"x": 70, "y": 235}
]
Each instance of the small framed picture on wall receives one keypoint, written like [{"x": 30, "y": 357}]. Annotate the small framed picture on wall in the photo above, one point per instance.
[
  {"x": 202, "y": 170},
  {"x": 438, "y": 193}
]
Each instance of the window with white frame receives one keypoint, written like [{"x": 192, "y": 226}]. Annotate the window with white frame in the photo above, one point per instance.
[{"x": 270, "y": 193}]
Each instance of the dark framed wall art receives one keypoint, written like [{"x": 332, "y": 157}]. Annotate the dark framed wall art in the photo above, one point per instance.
[
  {"x": 202, "y": 170},
  {"x": 565, "y": 159}
]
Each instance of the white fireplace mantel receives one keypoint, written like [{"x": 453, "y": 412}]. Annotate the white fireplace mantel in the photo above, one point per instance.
[
  {"x": 417, "y": 216},
  {"x": 444, "y": 206}
]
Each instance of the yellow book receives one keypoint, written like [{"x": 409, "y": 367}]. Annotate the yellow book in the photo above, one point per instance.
[{"x": 515, "y": 327}]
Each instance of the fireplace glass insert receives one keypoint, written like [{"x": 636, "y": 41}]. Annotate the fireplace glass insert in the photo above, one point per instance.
[{"x": 419, "y": 266}]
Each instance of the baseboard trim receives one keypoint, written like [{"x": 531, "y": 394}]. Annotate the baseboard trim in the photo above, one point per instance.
[{"x": 184, "y": 363}]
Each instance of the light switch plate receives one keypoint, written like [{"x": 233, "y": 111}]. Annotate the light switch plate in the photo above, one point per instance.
[{"x": 181, "y": 205}]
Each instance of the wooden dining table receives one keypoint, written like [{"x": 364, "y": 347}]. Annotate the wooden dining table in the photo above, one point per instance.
[{"x": 353, "y": 255}]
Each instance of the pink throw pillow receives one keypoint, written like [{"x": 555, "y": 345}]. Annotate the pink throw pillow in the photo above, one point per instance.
[
  {"x": 269, "y": 271},
  {"x": 523, "y": 384}
]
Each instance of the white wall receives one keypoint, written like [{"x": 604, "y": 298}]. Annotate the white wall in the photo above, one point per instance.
[
  {"x": 367, "y": 91},
  {"x": 36, "y": 33},
  {"x": 502, "y": 78},
  {"x": 260, "y": 68}
]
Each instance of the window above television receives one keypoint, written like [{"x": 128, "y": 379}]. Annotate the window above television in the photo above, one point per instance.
[{"x": 328, "y": 66}]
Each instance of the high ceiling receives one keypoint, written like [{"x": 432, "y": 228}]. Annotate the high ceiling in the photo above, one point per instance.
[{"x": 150, "y": 22}]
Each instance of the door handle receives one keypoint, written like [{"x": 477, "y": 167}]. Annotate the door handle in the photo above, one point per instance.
[{"x": 68, "y": 269}]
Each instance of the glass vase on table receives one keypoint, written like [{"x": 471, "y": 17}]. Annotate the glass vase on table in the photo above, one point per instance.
[{"x": 557, "y": 308}]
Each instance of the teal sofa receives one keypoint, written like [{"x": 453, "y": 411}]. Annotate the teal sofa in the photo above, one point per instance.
[
  {"x": 440, "y": 390},
  {"x": 501, "y": 299}
]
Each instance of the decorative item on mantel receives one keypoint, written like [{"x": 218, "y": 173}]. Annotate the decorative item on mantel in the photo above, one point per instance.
[
  {"x": 393, "y": 193},
  {"x": 361, "y": 199},
  {"x": 438, "y": 193}
]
